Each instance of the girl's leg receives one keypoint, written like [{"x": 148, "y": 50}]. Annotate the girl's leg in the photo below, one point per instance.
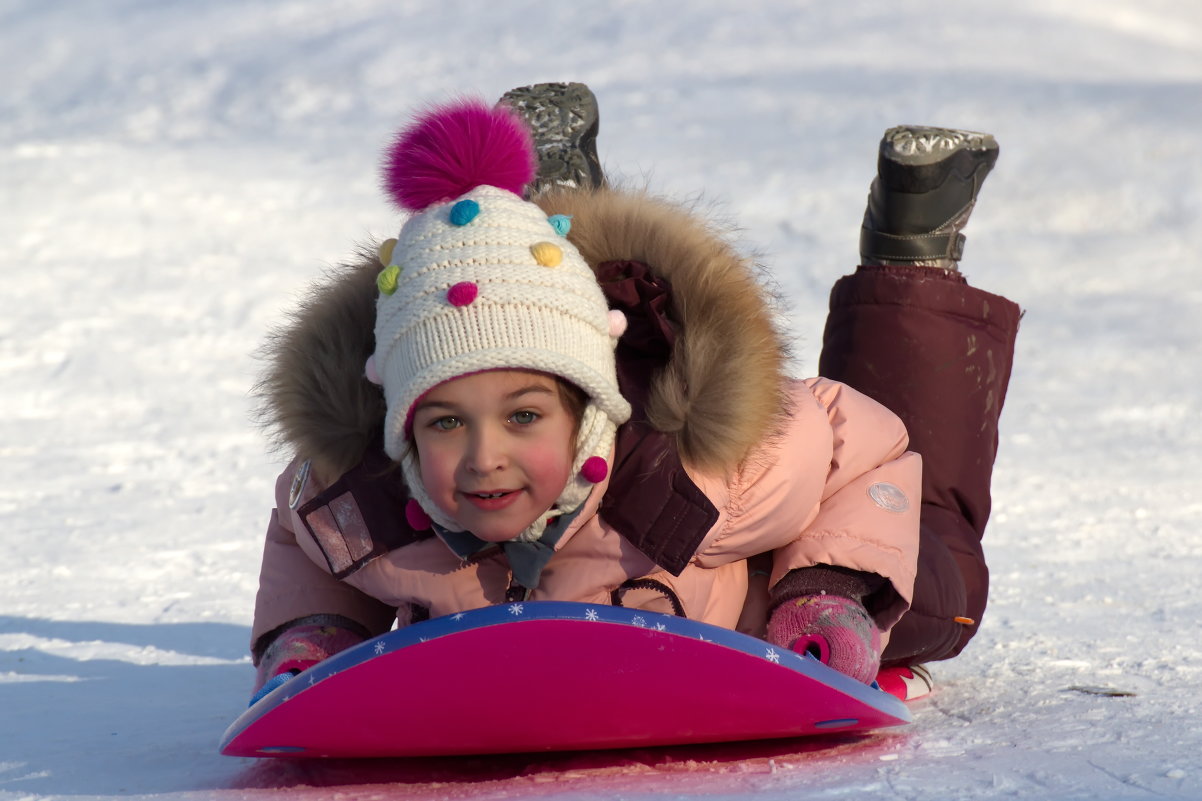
[{"x": 907, "y": 330}]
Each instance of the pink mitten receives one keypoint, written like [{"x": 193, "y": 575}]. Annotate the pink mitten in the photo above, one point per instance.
[
  {"x": 836, "y": 630},
  {"x": 301, "y": 647}
]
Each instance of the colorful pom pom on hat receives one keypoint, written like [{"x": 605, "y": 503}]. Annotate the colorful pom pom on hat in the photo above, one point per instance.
[
  {"x": 450, "y": 150},
  {"x": 480, "y": 280}
]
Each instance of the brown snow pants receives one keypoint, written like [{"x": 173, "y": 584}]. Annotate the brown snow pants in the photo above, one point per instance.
[{"x": 938, "y": 353}]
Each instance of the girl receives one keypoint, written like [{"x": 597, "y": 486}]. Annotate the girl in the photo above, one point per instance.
[{"x": 581, "y": 397}]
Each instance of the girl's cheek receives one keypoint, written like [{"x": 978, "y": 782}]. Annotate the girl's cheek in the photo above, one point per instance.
[
  {"x": 552, "y": 462},
  {"x": 437, "y": 469}
]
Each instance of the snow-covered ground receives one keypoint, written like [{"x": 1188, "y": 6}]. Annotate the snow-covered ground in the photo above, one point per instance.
[{"x": 173, "y": 174}]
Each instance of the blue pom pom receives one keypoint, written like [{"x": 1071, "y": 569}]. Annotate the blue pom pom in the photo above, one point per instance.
[
  {"x": 464, "y": 212},
  {"x": 562, "y": 223}
]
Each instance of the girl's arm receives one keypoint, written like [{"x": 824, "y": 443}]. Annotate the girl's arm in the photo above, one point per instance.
[
  {"x": 867, "y": 518},
  {"x": 293, "y": 588}
]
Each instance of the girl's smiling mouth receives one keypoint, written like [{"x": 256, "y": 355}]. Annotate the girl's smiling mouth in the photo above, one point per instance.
[{"x": 491, "y": 501}]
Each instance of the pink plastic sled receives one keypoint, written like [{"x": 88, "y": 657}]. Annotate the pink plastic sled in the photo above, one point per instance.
[{"x": 553, "y": 676}]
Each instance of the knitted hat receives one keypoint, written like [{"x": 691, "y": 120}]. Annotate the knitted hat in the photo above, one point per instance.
[{"x": 479, "y": 279}]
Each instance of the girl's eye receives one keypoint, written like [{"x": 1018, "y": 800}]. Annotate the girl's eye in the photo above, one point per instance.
[
  {"x": 446, "y": 423},
  {"x": 524, "y": 418}
]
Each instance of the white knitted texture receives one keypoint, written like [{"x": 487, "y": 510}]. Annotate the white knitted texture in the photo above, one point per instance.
[{"x": 526, "y": 316}]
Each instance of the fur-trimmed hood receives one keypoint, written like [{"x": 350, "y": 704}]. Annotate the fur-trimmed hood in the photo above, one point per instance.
[{"x": 720, "y": 394}]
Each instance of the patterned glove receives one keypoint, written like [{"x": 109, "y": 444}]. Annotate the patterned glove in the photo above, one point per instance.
[
  {"x": 836, "y": 630},
  {"x": 303, "y": 644}
]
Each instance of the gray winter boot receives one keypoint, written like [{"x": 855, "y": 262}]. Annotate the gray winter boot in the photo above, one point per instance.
[
  {"x": 926, "y": 185},
  {"x": 564, "y": 120}
]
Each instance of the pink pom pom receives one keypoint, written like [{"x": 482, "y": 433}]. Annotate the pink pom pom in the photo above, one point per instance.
[
  {"x": 371, "y": 373},
  {"x": 617, "y": 323},
  {"x": 453, "y": 148},
  {"x": 594, "y": 470},
  {"x": 416, "y": 516},
  {"x": 463, "y": 293}
]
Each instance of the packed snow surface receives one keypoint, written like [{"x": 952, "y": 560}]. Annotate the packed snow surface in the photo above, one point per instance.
[{"x": 173, "y": 175}]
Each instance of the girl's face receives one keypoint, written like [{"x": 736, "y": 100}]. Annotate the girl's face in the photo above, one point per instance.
[{"x": 495, "y": 449}]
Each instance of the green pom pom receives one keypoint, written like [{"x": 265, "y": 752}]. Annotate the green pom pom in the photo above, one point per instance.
[{"x": 386, "y": 281}]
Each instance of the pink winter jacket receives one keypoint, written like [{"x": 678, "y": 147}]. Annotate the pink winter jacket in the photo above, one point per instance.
[
  {"x": 811, "y": 472},
  {"x": 835, "y": 487}
]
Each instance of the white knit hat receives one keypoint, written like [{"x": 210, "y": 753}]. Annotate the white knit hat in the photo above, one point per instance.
[{"x": 482, "y": 280}]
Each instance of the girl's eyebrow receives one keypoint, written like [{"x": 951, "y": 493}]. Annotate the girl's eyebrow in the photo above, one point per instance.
[
  {"x": 429, "y": 404},
  {"x": 539, "y": 388},
  {"x": 517, "y": 393}
]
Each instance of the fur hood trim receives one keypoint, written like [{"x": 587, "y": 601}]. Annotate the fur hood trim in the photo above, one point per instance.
[
  {"x": 719, "y": 396},
  {"x": 721, "y": 392},
  {"x": 313, "y": 398}
]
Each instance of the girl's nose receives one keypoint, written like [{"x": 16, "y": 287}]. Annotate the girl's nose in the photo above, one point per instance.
[{"x": 486, "y": 453}]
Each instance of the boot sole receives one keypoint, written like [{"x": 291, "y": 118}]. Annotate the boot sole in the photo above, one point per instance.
[
  {"x": 564, "y": 120},
  {"x": 919, "y": 159}
]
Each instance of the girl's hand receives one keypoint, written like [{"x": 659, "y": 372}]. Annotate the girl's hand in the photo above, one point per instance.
[
  {"x": 837, "y": 631},
  {"x": 302, "y": 645}
]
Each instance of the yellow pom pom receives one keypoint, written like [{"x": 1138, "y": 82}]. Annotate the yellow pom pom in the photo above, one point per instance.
[
  {"x": 387, "y": 279},
  {"x": 384, "y": 254},
  {"x": 547, "y": 254}
]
